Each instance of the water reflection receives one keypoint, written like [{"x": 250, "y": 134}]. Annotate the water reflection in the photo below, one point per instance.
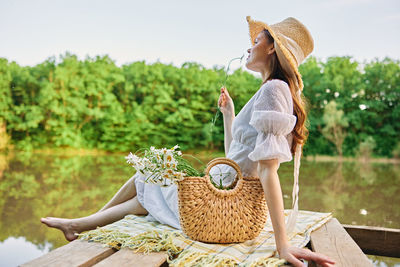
[
  {"x": 33, "y": 186},
  {"x": 12, "y": 245},
  {"x": 347, "y": 188}
]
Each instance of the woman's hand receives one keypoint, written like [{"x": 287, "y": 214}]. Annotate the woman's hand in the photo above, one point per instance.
[
  {"x": 225, "y": 103},
  {"x": 293, "y": 254}
]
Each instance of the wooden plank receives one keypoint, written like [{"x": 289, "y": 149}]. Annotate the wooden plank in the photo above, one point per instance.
[
  {"x": 332, "y": 240},
  {"x": 76, "y": 253},
  {"x": 376, "y": 240},
  {"x": 126, "y": 257}
]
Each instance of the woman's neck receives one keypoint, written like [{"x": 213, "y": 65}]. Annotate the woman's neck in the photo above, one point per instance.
[{"x": 265, "y": 73}]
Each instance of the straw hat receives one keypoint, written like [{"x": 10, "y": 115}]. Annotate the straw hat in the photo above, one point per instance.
[{"x": 292, "y": 41}]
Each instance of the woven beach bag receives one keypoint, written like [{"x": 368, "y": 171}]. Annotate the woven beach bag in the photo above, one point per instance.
[{"x": 213, "y": 215}]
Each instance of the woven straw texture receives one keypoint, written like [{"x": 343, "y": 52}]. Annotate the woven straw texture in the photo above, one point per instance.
[
  {"x": 213, "y": 215},
  {"x": 292, "y": 37}
]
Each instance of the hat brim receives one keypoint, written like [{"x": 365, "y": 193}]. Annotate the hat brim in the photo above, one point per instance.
[{"x": 255, "y": 27}]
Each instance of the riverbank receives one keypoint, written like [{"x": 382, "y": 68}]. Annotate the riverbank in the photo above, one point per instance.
[
  {"x": 325, "y": 158},
  {"x": 197, "y": 153}
]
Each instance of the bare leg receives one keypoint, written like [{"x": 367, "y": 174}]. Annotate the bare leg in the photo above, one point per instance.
[
  {"x": 101, "y": 218},
  {"x": 126, "y": 192}
]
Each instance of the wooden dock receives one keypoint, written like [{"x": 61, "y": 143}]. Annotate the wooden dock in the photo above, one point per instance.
[{"x": 346, "y": 244}]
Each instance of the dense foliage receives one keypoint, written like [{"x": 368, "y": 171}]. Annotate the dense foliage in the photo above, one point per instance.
[{"x": 93, "y": 103}]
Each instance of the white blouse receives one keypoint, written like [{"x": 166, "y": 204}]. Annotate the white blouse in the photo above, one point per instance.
[{"x": 260, "y": 131}]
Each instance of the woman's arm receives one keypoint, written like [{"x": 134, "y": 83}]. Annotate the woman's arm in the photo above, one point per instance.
[
  {"x": 226, "y": 106},
  {"x": 268, "y": 173},
  {"x": 228, "y": 119}
]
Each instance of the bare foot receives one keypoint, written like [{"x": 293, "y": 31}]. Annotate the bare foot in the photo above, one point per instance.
[{"x": 65, "y": 225}]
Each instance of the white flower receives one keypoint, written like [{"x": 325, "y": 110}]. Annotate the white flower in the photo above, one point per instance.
[
  {"x": 166, "y": 175},
  {"x": 179, "y": 175},
  {"x": 170, "y": 172},
  {"x": 146, "y": 162},
  {"x": 175, "y": 147},
  {"x": 131, "y": 158},
  {"x": 152, "y": 166},
  {"x": 139, "y": 166},
  {"x": 159, "y": 166},
  {"x": 169, "y": 157}
]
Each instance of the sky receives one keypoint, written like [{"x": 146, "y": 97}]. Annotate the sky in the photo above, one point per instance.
[{"x": 209, "y": 32}]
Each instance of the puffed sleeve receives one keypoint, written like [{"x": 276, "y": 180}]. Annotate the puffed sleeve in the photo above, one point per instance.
[{"x": 273, "y": 119}]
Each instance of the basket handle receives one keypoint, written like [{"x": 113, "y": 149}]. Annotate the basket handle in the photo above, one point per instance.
[{"x": 226, "y": 161}]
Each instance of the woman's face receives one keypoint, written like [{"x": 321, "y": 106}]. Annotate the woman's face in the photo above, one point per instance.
[{"x": 259, "y": 54}]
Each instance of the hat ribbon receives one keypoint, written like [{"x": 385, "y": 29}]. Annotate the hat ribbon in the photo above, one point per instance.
[
  {"x": 291, "y": 222},
  {"x": 291, "y": 45}
]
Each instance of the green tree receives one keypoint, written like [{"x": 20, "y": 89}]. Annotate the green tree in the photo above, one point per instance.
[
  {"x": 93, "y": 103},
  {"x": 5, "y": 102},
  {"x": 380, "y": 97},
  {"x": 316, "y": 95},
  {"x": 335, "y": 124},
  {"x": 366, "y": 148}
]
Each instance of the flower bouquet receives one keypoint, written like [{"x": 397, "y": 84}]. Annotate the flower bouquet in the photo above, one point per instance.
[{"x": 161, "y": 166}]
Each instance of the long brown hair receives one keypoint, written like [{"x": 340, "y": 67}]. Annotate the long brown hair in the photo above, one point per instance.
[{"x": 300, "y": 131}]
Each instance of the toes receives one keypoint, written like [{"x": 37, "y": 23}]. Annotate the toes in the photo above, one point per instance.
[{"x": 48, "y": 221}]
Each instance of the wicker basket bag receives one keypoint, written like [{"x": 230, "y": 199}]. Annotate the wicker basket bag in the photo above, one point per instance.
[{"x": 212, "y": 215}]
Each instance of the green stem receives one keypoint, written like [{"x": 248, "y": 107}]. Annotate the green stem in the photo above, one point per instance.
[{"x": 224, "y": 85}]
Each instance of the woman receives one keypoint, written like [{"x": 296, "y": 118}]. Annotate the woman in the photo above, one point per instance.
[
  {"x": 268, "y": 122},
  {"x": 265, "y": 133}
]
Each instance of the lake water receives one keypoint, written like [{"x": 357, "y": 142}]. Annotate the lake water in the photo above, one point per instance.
[{"x": 35, "y": 185}]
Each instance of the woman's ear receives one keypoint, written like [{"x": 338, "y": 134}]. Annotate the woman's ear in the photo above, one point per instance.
[{"x": 271, "y": 50}]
